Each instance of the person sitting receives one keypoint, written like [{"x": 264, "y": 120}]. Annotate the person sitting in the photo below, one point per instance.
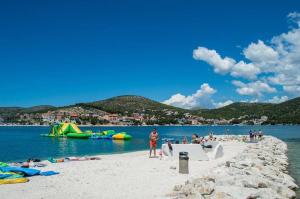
[
  {"x": 260, "y": 134},
  {"x": 251, "y": 135},
  {"x": 211, "y": 136},
  {"x": 195, "y": 139}
]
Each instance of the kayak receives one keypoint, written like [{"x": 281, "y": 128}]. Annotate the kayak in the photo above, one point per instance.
[
  {"x": 121, "y": 136},
  {"x": 79, "y": 135}
]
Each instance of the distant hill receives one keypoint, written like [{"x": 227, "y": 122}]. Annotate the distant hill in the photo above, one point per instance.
[
  {"x": 34, "y": 109},
  {"x": 236, "y": 110},
  {"x": 131, "y": 104},
  {"x": 286, "y": 112}
]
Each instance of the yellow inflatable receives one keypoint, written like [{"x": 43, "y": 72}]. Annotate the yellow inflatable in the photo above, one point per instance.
[
  {"x": 121, "y": 136},
  {"x": 13, "y": 181}
]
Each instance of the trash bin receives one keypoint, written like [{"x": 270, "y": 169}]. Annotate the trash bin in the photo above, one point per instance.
[{"x": 183, "y": 162}]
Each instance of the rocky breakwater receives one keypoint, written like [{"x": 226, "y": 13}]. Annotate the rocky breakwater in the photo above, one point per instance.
[{"x": 260, "y": 171}]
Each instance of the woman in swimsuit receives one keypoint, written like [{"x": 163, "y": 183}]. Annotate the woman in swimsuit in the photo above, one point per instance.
[{"x": 153, "y": 137}]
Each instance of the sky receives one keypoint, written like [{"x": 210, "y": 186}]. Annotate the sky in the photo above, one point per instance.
[{"x": 188, "y": 54}]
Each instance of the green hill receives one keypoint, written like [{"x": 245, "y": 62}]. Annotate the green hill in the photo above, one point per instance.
[
  {"x": 129, "y": 104},
  {"x": 34, "y": 109},
  {"x": 286, "y": 112},
  {"x": 236, "y": 110}
]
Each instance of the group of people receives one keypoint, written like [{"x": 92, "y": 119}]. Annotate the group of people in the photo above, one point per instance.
[
  {"x": 254, "y": 135},
  {"x": 153, "y": 138},
  {"x": 201, "y": 140}
]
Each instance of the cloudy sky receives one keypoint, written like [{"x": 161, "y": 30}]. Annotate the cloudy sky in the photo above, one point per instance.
[
  {"x": 269, "y": 71},
  {"x": 183, "y": 53}
]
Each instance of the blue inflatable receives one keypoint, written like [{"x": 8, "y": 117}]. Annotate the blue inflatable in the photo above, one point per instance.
[{"x": 24, "y": 171}]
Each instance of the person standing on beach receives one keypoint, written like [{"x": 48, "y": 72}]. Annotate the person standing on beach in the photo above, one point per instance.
[{"x": 153, "y": 137}]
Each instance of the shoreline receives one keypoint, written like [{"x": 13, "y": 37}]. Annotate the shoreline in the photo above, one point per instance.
[
  {"x": 198, "y": 125},
  {"x": 134, "y": 175},
  {"x": 128, "y": 175}
]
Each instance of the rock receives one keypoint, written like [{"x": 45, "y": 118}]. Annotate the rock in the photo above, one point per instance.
[
  {"x": 227, "y": 164},
  {"x": 286, "y": 193},
  {"x": 266, "y": 193},
  {"x": 260, "y": 171},
  {"x": 205, "y": 188},
  {"x": 262, "y": 185},
  {"x": 188, "y": 190},
  {"x": 221, "y": 195},
  {"x": 195, "y": 196},
  {"x": 177, "y": 188}
]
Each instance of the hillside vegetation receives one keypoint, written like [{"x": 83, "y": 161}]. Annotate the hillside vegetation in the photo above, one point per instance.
[
  {"x": 129, "y": 104},
  {"x": 287, "y": 112}
]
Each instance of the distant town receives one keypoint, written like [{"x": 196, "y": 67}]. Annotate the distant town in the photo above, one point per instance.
[{"x": 82, "y": 116}]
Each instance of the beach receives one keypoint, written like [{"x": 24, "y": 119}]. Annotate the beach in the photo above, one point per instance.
[
  {"x": 134, "y": 175},
  {"x": 128, "y": 175}
]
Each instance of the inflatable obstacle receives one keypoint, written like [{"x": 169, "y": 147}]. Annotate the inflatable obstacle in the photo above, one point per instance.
[
  {"x": 69, "y": 130},
  {"x": 122, "y": 136}
]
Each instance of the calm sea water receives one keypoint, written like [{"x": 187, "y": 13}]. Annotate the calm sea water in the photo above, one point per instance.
[{"x": 21, "y": 143}]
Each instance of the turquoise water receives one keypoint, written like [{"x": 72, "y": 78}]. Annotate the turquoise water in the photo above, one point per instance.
[{"x": 21, "y": 143}]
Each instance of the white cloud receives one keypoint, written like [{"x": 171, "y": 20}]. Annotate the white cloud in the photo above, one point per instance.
[
  {"x": 260, "y": 53},
  {"x": 200, "y": 98},
  {"x": 226, "y": 65},
  {"x": 221, "y": 65},
  {"x": 242, "y": 69},
  {"x": 292, "y": 89},
  {"x": 222, "y": 104},
  {"x": 294, "y": 17},
  {"x": 256, "y": 88},
  {"x": 277, "y": 99},
  {"x": 274, "y": 63}
]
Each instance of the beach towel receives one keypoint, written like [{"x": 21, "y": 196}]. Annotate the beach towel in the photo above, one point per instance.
[
  {"x": 48, "y": 173},
  {"x": 2, "y": 164},
  {"x": 3, "y": 176},
  {"x": 24, "y": 171},
  {"x": 9, "y": 175}
]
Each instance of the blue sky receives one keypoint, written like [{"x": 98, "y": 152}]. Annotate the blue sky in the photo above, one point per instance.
[{"x": 63, "y": 52}]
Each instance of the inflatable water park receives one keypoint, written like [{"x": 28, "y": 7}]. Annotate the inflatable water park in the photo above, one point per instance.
[{"x": 71, "y": 130}]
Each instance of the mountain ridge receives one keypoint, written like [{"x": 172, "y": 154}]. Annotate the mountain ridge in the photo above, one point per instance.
[{"x": 286, "y": 112}]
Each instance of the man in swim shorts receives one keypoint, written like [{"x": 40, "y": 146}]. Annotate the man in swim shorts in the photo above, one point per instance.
[{"x": 153, "y": 137}]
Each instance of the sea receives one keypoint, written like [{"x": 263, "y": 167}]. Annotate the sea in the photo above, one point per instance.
[{"x": 19, "y": 143}]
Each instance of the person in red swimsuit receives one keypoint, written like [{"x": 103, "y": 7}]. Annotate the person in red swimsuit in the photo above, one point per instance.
[{"x": 153, "y": 137}]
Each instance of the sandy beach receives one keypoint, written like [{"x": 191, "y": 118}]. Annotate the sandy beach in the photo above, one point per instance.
[{"x": 129, "y": 175}]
